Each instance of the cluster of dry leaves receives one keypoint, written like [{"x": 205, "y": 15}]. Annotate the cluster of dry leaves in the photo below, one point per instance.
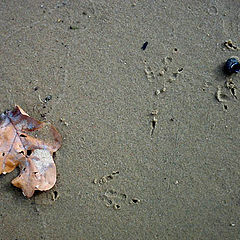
[{"x": 32, "y": 151}]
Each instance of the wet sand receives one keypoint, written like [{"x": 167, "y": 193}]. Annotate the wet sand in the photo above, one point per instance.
[{"x": 149, "y": 152}]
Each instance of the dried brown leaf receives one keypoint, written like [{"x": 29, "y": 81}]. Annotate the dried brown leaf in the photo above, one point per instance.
[{"x": 28, "y": 144}]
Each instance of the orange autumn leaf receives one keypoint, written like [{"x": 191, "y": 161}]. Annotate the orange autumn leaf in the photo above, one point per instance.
[{"x": 28, "y": 144}]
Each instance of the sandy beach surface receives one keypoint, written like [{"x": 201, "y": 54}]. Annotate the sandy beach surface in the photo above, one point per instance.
[{"x": 150, "y": 121}]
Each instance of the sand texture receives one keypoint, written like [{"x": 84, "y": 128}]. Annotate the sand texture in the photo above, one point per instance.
[{"x": 150, "y": 133}]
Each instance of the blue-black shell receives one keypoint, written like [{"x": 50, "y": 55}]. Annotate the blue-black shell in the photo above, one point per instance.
[{"x": 232, "y": 66}]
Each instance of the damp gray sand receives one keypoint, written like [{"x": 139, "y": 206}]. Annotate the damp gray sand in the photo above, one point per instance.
[{"x": 150, "y": 131}]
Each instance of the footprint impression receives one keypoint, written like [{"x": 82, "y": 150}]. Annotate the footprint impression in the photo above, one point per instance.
[
  {"x": 112, "y": 198},
  {"x": 167, "y": 73}
]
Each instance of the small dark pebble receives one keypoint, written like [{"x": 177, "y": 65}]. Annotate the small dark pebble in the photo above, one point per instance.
[
  {"x": 48, "y": 98},
  {"x": 36, "y": 88},
  {"x": 144, "y": 46},
  {"x": 232, "y": 66}
]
